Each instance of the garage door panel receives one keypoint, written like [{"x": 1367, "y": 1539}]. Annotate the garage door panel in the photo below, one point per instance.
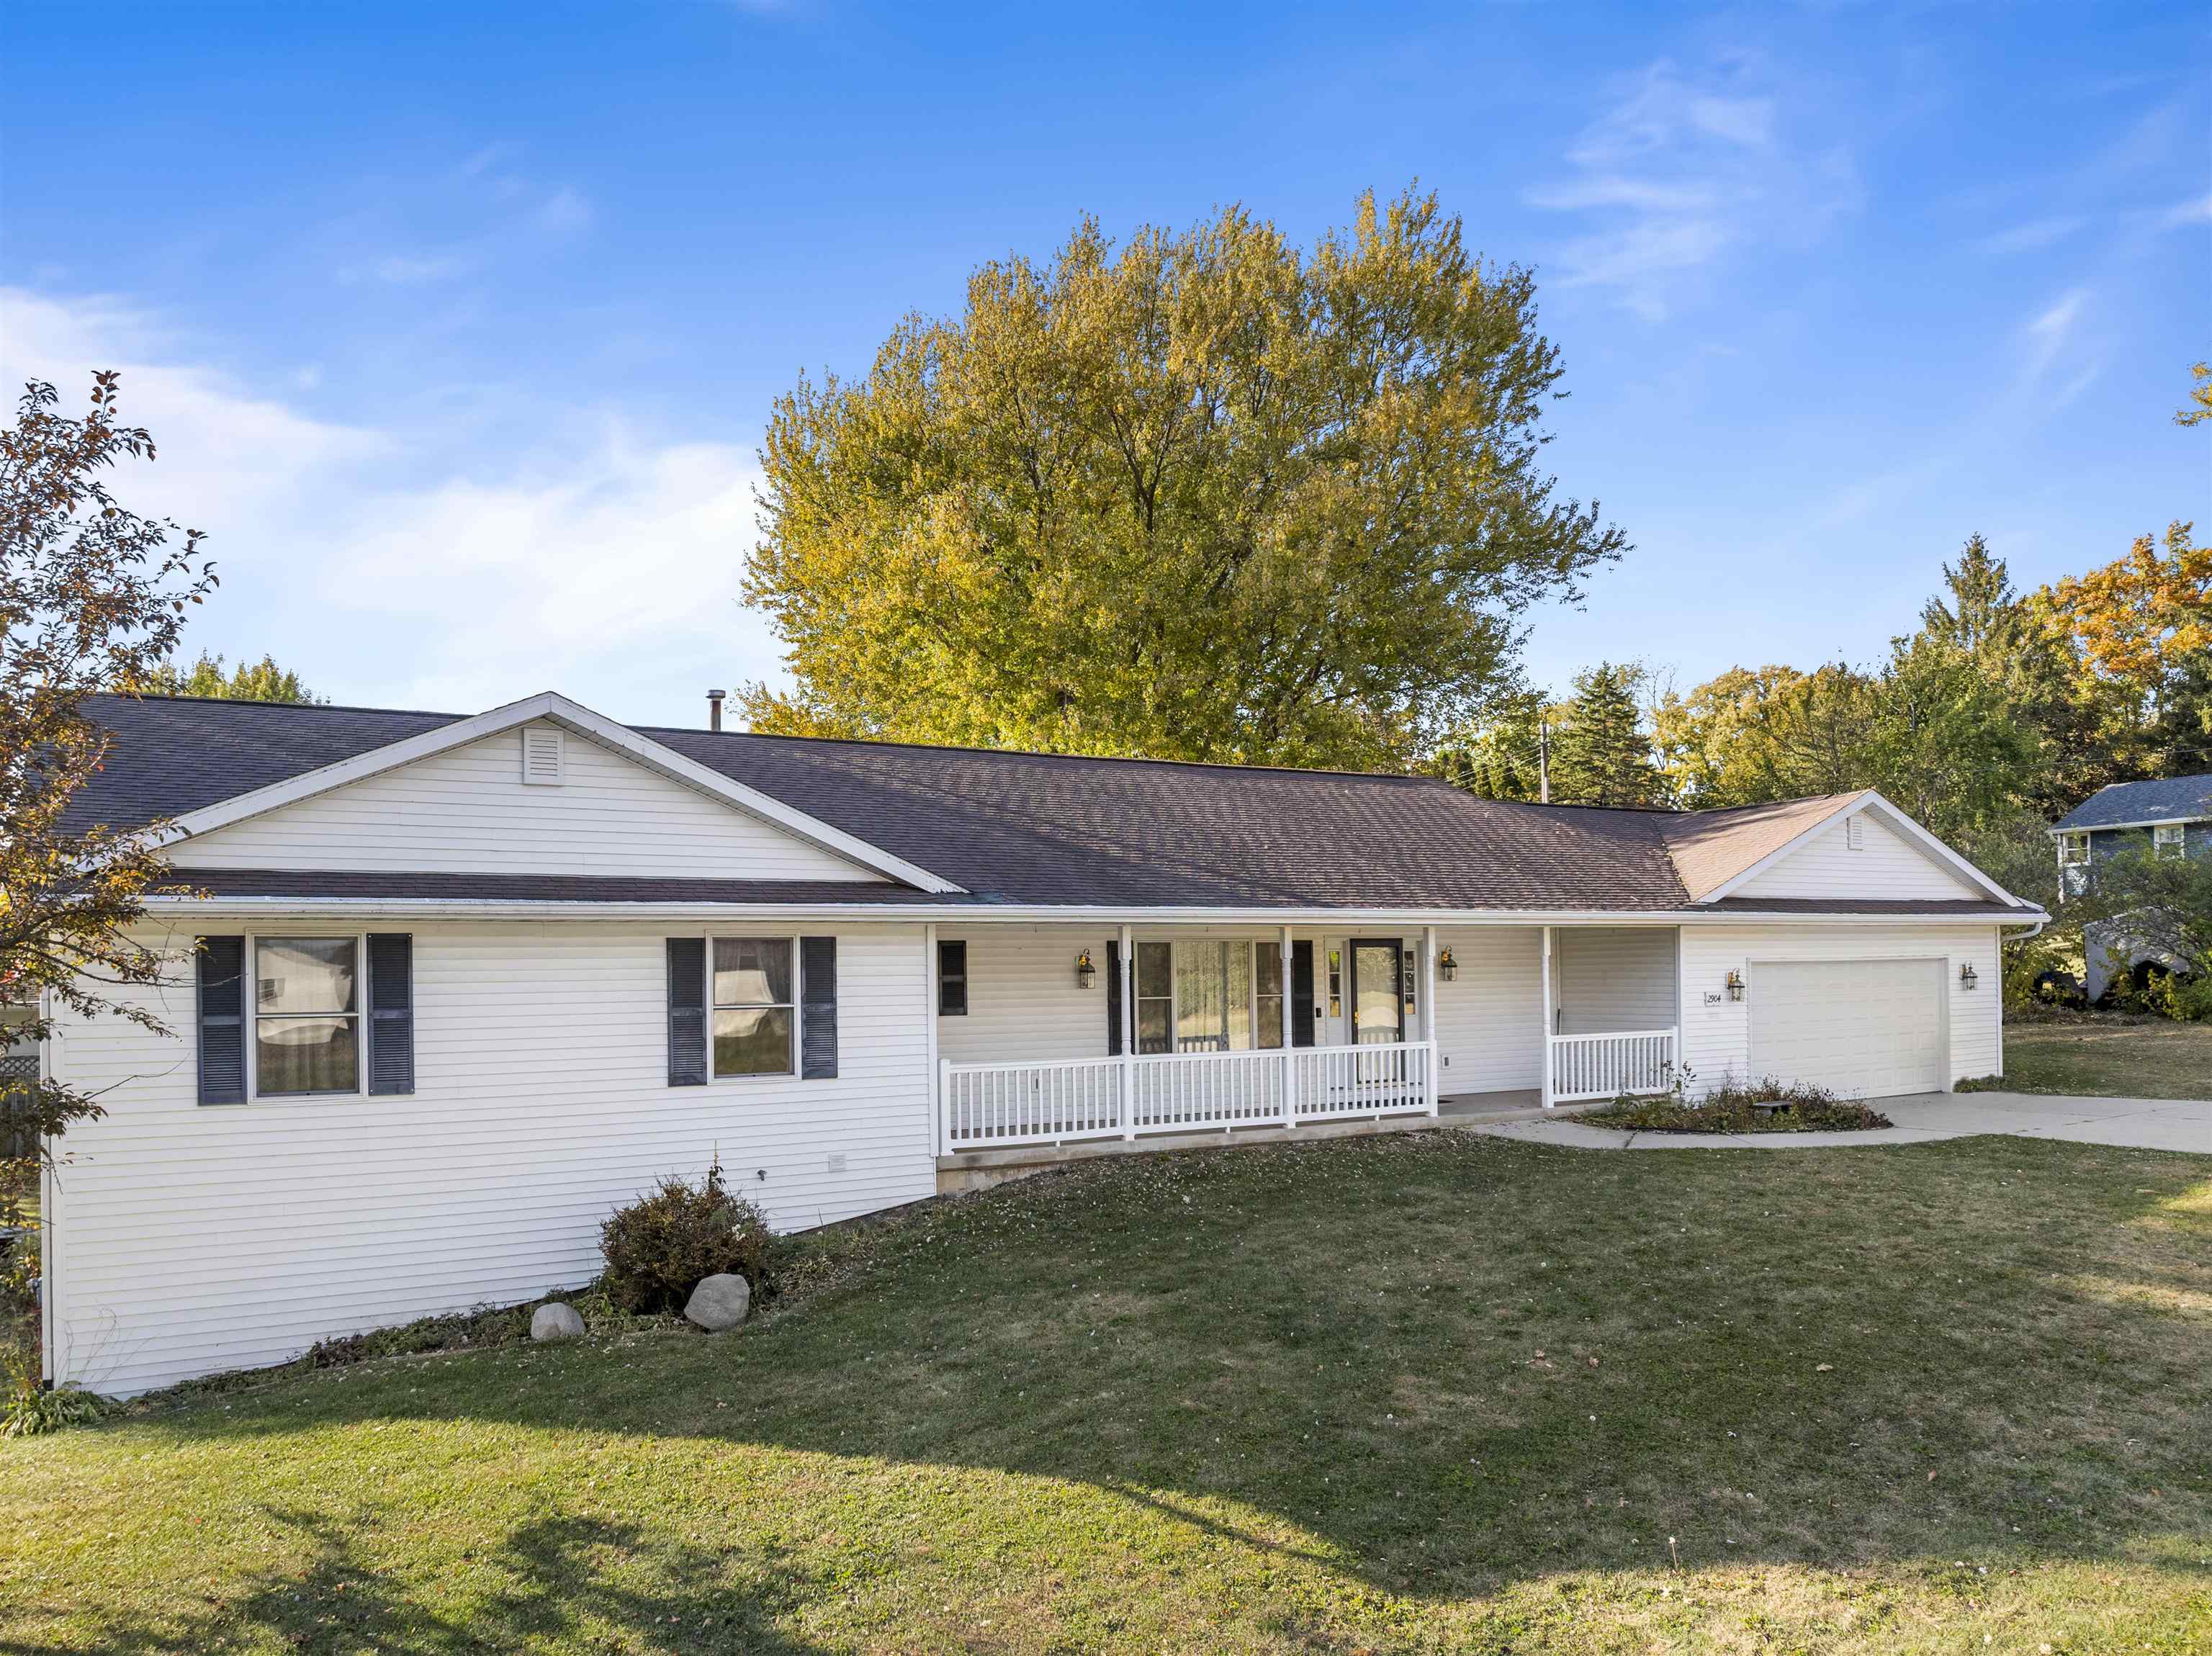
[{"x": 1868, "y": 1028}]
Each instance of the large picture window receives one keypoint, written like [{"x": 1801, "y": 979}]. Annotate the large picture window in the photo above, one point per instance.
[
  {"x": 1208, "y": 996},
  {"x": 307, "y": 1021},
  {"x": 752, "y": 1009}
]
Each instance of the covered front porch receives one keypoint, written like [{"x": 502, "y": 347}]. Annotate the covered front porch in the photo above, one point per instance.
[{"x": 1060, "y": 1036}]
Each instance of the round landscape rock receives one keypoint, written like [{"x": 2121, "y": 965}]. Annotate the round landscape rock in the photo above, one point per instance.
[
  {"x": 719, "y": 1302},
  {"x": 556, "y": 1322}
]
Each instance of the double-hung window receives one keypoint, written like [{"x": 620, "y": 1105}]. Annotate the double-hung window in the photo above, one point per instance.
[
  {"x": 753, "y": 1008},
  {"x": 2169, "y": 839},
  {"x": 306, "y": 1015},
  {"x": 2073, "y": 849}
]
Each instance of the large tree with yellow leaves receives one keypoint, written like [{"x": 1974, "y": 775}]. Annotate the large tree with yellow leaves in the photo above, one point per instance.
[{"x": 1200, "y": 495}]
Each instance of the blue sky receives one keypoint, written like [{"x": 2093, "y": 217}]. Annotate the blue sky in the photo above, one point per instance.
[{"x": 458, "y": 324}]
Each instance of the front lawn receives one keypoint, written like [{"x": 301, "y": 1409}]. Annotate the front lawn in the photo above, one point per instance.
[
  {"x": 2105, "y": 1055},
  {"x": 1415, "y": 1392}
]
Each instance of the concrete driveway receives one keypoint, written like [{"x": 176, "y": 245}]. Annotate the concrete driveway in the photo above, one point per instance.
[{"x": 2151, "y": 1124}]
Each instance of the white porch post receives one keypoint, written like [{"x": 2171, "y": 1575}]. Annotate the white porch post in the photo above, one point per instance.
[
  {"x": 1547, "y": 1048},
  {"x": 1429, "y": 1001},
  {"x": 939, "y": 1098},
  {"x": 1289, "y": 1059},
  {"x": 1127, "y": 1078}
]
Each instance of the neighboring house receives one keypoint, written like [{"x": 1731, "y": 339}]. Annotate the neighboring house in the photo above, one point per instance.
[
  {"x": 2172, "y": 816},
  {"x": 453, "y": 988}
]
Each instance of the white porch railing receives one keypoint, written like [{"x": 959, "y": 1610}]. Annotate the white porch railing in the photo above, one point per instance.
[
  {"x": 991, "y": 1105},
  {"x": 1608, "y": 1065}
]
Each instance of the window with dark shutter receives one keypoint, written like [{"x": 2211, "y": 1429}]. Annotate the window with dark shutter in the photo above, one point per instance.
[
  {"x": 687, "y": 1011},
  {"x": 223, "y": 1020},
  {"x": 390, "y": 1012},
  {"x": 818, "y": 1009},
  {"x": 953, "y": 980}
]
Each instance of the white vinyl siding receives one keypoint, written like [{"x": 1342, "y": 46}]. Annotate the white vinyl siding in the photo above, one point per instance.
[
  {"x": 1887, "y": 866},
  {"x": 188, "y": 1240},
  {"x": 1612, "y": 977},
  {"x": 1717, "y": 1031},
  {"x": 467, "y": 811},
  {"x": 1023, "y": 1000},
  {"x": 1490, "y": 1018}
]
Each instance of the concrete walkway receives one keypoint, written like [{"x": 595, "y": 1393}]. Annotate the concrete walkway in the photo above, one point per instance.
[{"x": 2153, "y": 1124}]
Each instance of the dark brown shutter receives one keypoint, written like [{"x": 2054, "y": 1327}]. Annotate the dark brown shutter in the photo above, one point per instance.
[
  {"x": 687, "y": 1011},
  {"x": 390, "y": 1012},
  {"x": 1302, "y": 994},
  {"x": 818, "y": 1009},
  {"x": 1113, "y": 998},
  {"x": 223, "y": 1020}
]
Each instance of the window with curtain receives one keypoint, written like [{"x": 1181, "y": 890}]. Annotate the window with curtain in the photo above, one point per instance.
[
  {"x": 307, "y": 1024},
  {"x": 1155, "y": 998},
  {"x": 753, "y": 1018},
  {"x": 1267, "y": 996}
]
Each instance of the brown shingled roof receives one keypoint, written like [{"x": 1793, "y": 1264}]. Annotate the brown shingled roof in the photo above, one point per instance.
[
  {"x": 1711, "y": 848},
  {"x": 1022, "y": 828}
]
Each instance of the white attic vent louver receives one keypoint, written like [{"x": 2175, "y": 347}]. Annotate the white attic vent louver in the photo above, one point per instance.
[
  {"x": 541, "y": 754},
  {"x": 1855, "y": 832}
]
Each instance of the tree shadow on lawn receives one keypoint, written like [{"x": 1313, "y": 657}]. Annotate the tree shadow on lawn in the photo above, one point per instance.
[
  {"x": 1439, "y": 1364},
  {"x": 568, "y": 1577}
]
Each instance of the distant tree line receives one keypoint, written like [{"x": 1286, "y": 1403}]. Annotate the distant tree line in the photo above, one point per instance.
[{"x": 1999, "y": 702}]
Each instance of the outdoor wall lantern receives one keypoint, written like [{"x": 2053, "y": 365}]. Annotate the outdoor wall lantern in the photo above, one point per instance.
[
  {"x": 1967, "y": 976},
  {"x": 1735, "y": 985},
  {"x": 1083, "y": 970},
  {"x": 1447, "y": 968}
]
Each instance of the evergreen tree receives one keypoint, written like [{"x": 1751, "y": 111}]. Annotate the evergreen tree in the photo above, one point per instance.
[{"x": 1603, "y": 755}]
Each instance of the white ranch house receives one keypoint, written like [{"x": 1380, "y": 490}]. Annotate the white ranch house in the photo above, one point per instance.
[{"x": 448, "y": 989}]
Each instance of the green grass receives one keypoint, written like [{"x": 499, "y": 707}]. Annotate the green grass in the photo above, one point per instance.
[
  {"x": 2103, "y": 1055},
  {"x": 1416, "y": 1392}
]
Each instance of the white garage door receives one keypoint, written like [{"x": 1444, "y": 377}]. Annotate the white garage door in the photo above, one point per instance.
[{"x": 1863, "y": 1028}]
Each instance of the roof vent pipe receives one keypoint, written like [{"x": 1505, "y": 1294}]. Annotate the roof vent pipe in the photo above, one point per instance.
[{"x": 714, "y": 710}]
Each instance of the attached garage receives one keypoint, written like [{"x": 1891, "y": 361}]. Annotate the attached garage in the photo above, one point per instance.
[{"x": 1863, "y": 1028}]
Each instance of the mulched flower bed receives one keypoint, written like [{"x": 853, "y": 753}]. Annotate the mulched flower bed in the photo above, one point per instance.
[{"x": 1765, "y": 1107}]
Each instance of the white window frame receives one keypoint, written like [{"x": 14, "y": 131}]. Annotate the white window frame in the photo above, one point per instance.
[
  {"x": 250, "y": 995},
  {"x": 2169, "y": 841},
  {"x": 798, "y": 1010},
  {"x": 2074, "y": 848}
]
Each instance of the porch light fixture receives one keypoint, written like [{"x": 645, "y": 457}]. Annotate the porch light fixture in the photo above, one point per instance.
[
  {"x": 1967, "y": 976},
  {"x": 1447, "y": 968},
  {"x": 1083, "y": 970},
  {"x": 1735, "y": 985}
]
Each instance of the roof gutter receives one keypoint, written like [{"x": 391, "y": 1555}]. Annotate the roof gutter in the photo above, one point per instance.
[{"x": 1032, "y": 913}]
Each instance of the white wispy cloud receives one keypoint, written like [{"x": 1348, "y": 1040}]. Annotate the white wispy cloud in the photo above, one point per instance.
[
  {"x": 1679, "y": 167},
  {"x": 463, "y": 222},
  {"x": 2198, "y": 211},
  {"x": 2033, "y": 236},
  {"x": 600, "y": 560}
]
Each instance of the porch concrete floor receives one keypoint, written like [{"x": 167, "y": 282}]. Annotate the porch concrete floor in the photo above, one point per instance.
[{"x": 978, "y": 1169}]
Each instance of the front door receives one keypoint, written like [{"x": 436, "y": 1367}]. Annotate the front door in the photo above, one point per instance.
[{"x": 1377, "y": 1012}]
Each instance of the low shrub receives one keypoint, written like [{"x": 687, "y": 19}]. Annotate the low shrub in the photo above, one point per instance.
[
  {"x": 659, "y": 1248},
  {"x": 1732, "y": 1107},
  {"x": 34, "y": 1412}
]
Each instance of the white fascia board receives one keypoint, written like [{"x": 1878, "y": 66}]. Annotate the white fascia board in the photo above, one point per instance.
[
  {"x": 2116, "y": 828},
  {"x": 550, "y": 706},
  {"x": 1926, "y": 843},
  {"x": 1035, "y": 913}
]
